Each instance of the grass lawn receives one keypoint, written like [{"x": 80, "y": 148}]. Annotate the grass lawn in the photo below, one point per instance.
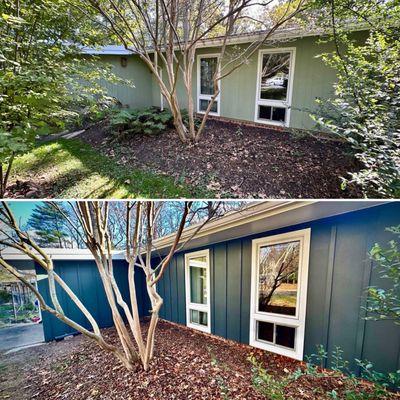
[{"x": 73, "y": 169}]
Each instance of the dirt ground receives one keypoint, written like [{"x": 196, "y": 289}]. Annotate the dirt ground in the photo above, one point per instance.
[
  {"x": 187, "y": 365},
  {"x": 235, "y": 160}
]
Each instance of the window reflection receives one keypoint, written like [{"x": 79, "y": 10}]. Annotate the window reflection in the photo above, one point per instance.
[
  {"x": 208, "y": 67},
  {"x": 275, "y": 76},
  {"x": 278, "y": 278}
]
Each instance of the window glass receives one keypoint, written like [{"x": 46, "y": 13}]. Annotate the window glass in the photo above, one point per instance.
[
  {"x": 208, "y": 67},
  {"x": 275, "y": 76},
  {"x": 278, "y": 114},
  {"x": 264, "y": 112},
  {"x": 204, "y": 104},
  {"x": 278, "y": 277},
  {"x": 285, "y": 336},
  {"x": 265, "y": 331},
  {"x": 198, "y": 317},
  {"x": 198, "y": 280}
]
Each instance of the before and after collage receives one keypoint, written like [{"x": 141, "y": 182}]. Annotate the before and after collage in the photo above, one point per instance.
[{"x": 199, "y": 199}]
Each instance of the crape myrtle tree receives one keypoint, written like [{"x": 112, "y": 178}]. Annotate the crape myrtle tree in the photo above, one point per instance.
[
  {"x": 166, "y": 33},
  {"x": 42, "y": 73},
  {"x": 365, "y": 108},
  {"x": 140, "y": 225}
]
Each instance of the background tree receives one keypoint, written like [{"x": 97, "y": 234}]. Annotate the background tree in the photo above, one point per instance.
[
  {"x": 384, "y": 304},
  {"x": 42, "y": 73},
  {"x": 93, "y": 217},
  {"x": 166, "y": 33},
  {"x": 49, "y": 226},
  {"x": 365, "y": 109}
]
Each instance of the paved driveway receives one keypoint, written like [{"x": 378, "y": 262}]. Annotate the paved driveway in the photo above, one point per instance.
[{"x": 20, "y": 335}]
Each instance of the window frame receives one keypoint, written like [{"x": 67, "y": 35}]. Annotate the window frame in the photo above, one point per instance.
[
  {"x": 196, "y": 306},
  {"x": 275, "y": 103},
  {"x": 297, "y": 321},
  {"x": 201, "y": 96}
]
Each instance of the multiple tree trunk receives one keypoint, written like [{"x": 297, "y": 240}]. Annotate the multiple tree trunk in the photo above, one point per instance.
[{"x": 93, "y": 220}]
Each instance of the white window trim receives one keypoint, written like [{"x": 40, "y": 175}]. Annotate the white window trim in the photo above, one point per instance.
[
  {"x": 263, "y": 102},
  {"x": 196, "y": 306},
  {"x": 161, "y": 95},
  {"x": 207, "y": 96},
  {"x": 297, "y": 321}
]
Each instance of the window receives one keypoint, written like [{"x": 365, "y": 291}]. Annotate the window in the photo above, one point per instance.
[
  {"x": 197, "y": 278},
  {"x": 279, "y": 292},
  {"x": 274, "y": 86},
  {"x": 206, "y": 69}
]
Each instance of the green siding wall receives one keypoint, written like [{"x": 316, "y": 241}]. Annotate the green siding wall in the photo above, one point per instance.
[
  {"x": 339, "y": 270},
  {"x": 136, "y": 71},
  {"x": 312, "y": 79}
]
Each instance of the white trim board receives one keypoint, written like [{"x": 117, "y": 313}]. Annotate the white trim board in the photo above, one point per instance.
[
  {"x": 200, "y": 96},
  {"x": 297, "y": 321},
  {"x": 275, "y": 103},
  {"x": 195, "y": 306}
]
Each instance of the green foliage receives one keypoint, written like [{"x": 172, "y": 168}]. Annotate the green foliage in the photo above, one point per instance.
[
  {"x": 148, "y": 121},
  {"x": 5, "y": 296},
  {"x": 384, "y": 304},
  {"x": 44, "y": 81},
  {"x": 380, "y": 379},
  {"x": 365, "y": 109},
  {"x": 271, "y": 387},
  {"x": 49, "y": 226}
]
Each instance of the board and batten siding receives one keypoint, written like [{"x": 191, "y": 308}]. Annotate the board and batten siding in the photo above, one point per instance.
[
  {"x": 84, "y": 279},
  {"x": 339, "y": 271}
]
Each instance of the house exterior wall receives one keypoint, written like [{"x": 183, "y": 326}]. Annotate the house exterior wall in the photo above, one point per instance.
[
  {"x": 84, "y": 280},
  {"x": 312, "y": 79},
  {"x": 339, "y": 271},
  {"x": 141, "y": 95}
]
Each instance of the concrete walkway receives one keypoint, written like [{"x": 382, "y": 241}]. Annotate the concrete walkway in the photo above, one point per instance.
[{"x": 20, "y": 335}]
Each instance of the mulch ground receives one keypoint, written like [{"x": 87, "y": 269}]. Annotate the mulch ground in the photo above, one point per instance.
[
  {"x": 187, "y": 365},
  {"x": 236, "y": 160}
]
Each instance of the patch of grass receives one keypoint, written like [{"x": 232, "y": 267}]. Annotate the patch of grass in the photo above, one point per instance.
[{"x": 73, "y": 169}]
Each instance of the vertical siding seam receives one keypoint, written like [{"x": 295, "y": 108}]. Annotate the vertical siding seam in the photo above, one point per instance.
[
  {"x": 170, "y": 294},
  {"x": 176, "y": 289},
  {"x": 329, "y": 287},
  {"x": 240, "y": 290},
  {"x": 366, "y": 281},
  {"x": 226, "y": 289}
]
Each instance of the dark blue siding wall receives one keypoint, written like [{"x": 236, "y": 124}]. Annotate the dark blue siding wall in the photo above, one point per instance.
[
  {"x": 339, "y": 271},
  {"x": 83, "y": 278}
]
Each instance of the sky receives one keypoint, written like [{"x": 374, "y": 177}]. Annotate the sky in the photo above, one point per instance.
[{"x": 22, "y": 210}]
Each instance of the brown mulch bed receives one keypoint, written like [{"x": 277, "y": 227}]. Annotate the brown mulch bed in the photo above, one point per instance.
[
  {"x": 187, "y": 365},
  {"x": 234, "y": 160}
]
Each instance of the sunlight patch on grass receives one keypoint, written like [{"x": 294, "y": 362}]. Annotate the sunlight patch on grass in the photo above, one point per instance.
[{"x": 72, "y": 169}]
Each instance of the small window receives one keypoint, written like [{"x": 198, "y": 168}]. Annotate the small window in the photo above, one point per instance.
[
  {"x": 276, "y": 334},
  {"x": 197, "y": 278},
  {"x": 206, "y": 71},
  {"x": 269, "y": 113},
  {"x": 204, "y": 104},
  {"x": 265, "y": 331}
]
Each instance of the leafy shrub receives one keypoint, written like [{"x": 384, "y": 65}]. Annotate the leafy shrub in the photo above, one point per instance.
[
  {"x": 5, "y": 296},
  {"x": 149, "y": 121},
  {"x": 365, "y": 110},
  {"x": 384, "y": 304},
  {"x": 271, "y": 387}
]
